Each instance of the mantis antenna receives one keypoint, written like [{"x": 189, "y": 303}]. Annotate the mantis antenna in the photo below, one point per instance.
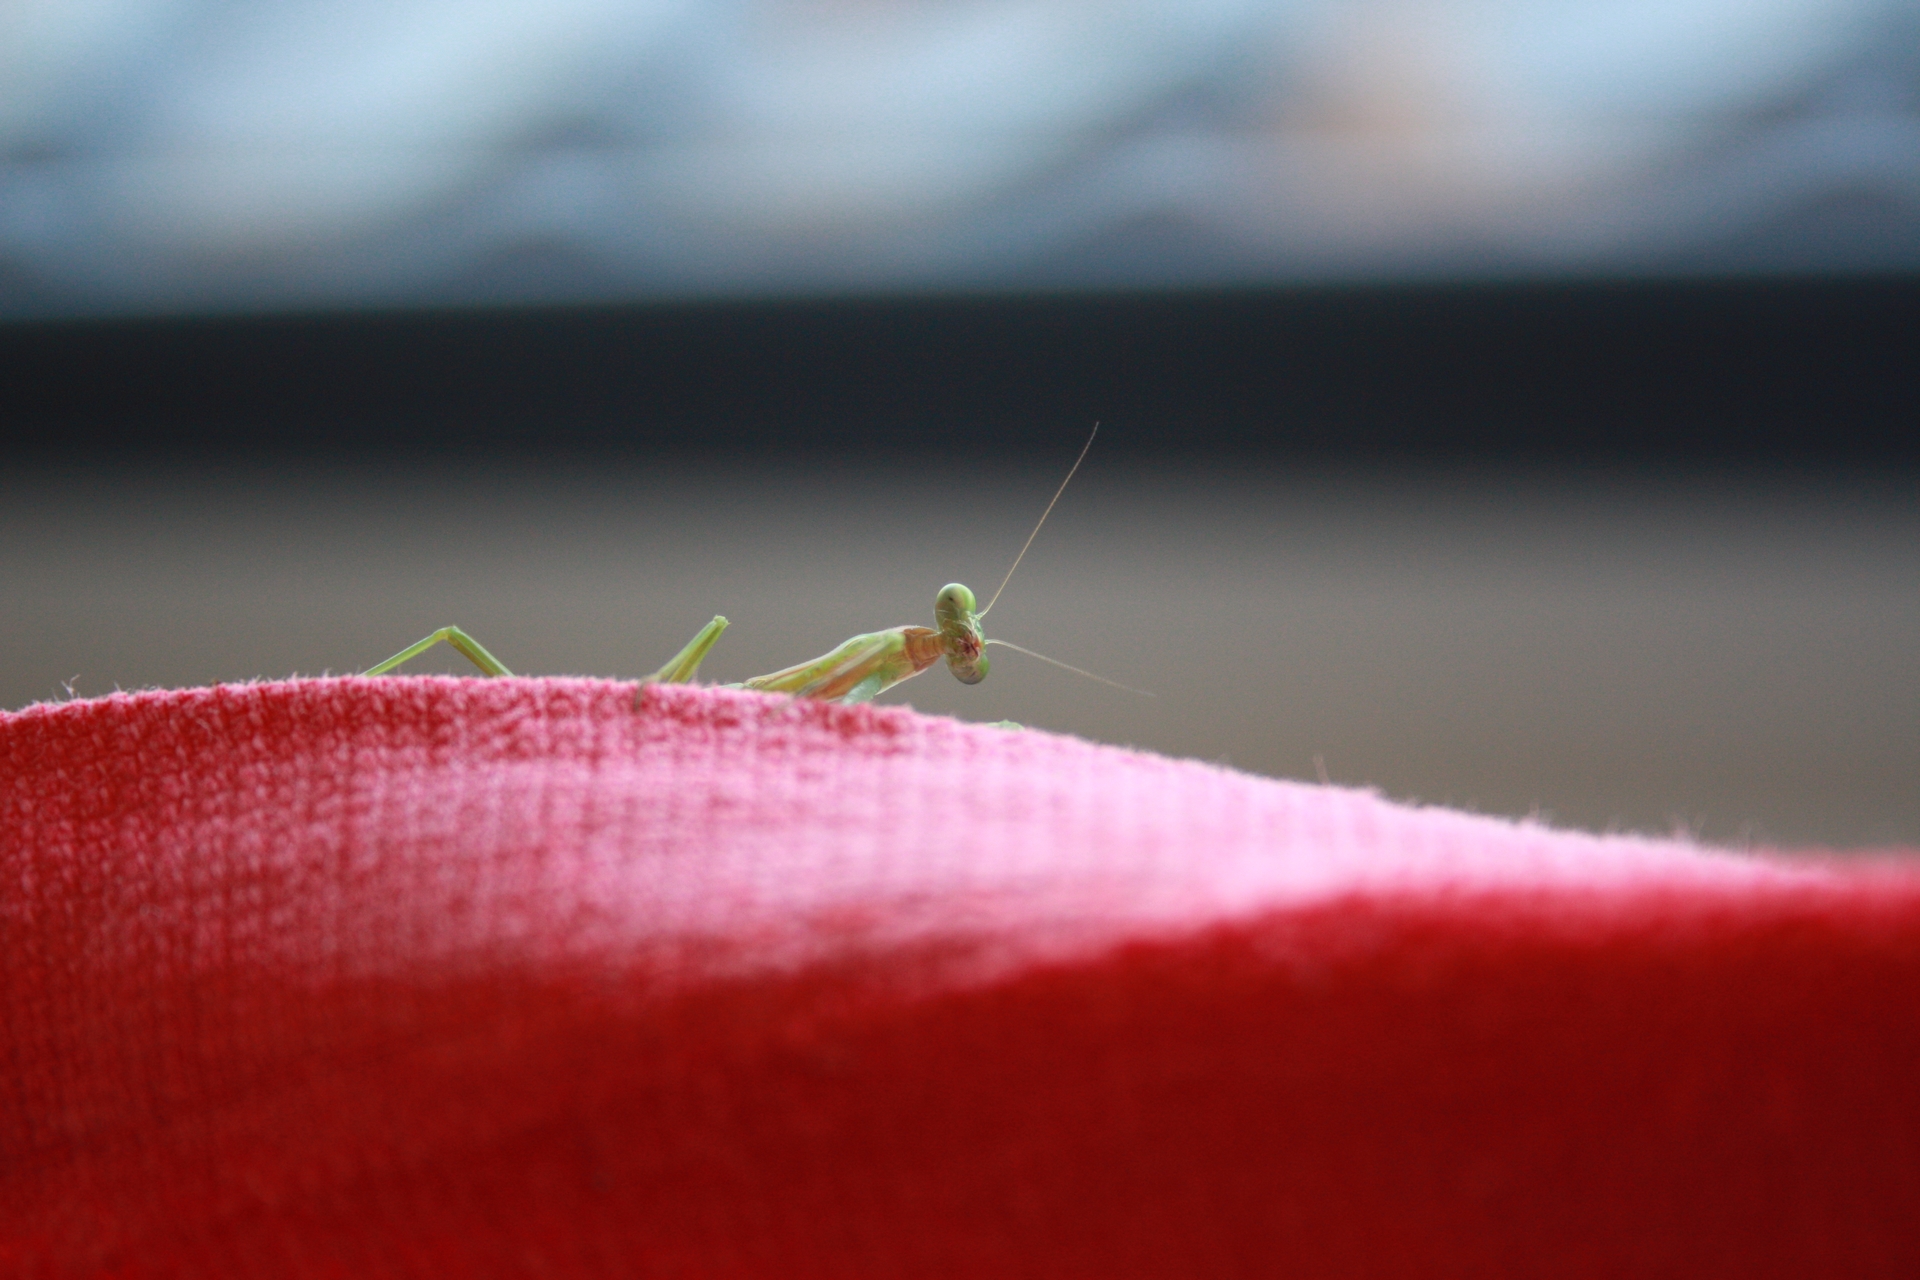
[
  {"x": 1068, "y": 666},
  {"x": 1036, "y": 530},
  {"x": 1008, "y": 644}
]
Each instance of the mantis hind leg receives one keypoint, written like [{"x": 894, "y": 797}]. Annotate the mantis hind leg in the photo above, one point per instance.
[
  {"x": 471, "y": 649},
  {"x": 684, "y": 665},
  {"x": 679, "y": 669}
]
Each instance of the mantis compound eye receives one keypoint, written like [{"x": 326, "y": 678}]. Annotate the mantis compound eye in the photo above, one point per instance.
[
  {"x": 969, "y": 672},
  {"x": 953, "y": 607}
]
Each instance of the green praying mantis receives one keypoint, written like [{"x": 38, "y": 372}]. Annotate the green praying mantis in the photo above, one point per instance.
[{"x": 859, "y": 669}]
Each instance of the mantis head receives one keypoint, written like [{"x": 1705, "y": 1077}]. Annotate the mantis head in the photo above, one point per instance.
[{"x": 960, "y": 638}]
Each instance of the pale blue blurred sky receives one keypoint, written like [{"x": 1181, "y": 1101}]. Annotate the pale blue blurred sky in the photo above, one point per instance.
[{"x": 179, "y": 155}]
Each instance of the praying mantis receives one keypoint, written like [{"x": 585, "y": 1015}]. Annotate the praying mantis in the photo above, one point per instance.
[{"x": 859, "y": 669}]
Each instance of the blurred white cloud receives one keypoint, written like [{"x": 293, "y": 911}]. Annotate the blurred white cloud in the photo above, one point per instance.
[{"x": 175, "y": 154}]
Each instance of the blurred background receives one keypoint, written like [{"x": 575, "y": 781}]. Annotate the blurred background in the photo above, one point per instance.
[
  {"x": 168, "y": 155},
  {"x": 1507, "y": 403}
]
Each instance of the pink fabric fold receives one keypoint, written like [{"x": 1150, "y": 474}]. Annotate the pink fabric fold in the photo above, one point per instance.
[{"x": 565, "y": 977}]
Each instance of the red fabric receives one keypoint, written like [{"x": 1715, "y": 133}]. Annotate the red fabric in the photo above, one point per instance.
[{"x": 417, "y": 977}]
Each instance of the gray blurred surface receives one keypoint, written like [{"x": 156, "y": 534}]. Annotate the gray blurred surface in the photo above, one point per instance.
[{"x": 1739, "y": 658}]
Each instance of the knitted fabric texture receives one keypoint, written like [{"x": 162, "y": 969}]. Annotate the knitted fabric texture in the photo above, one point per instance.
[{"x": 433, "y": 977}]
